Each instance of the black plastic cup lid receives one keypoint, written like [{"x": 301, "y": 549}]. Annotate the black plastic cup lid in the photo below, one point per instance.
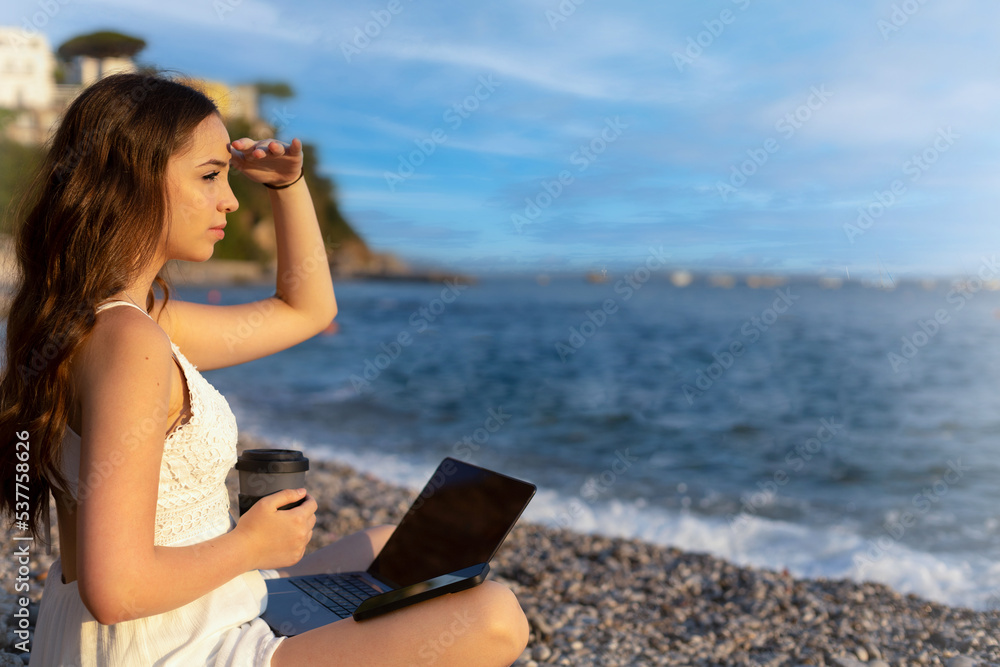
[{"x": 272, "y": 460}]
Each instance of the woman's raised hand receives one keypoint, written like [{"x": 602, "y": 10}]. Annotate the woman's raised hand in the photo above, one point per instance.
[
  {"x": 268, "y": 161},
  {"x": 278, "y": 538}
]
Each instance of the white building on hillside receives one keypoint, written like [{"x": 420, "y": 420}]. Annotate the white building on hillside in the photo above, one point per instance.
[
  {"x": 28, "y": 87},
  {"x": 26, "y": 70},
  {"x": 85, "y": 70},
  {"x": 28, "y": 83}
]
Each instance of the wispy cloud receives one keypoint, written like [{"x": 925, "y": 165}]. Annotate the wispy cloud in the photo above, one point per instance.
[{"x": 514, "y": 66}]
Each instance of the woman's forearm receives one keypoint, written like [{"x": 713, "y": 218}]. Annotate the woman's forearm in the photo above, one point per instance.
[
  {"x": 167, "y": 579},
  {"x": 304, "y": 281}
]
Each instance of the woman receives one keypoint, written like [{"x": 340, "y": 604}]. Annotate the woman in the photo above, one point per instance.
[{"x": 133, "y": 442}]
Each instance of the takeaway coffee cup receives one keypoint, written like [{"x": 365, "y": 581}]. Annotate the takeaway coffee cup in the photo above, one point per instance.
[{"x": 265, "y": 471}]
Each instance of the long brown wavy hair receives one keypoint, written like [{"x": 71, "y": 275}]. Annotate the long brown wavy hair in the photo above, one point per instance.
[{"x": 87, "y": 226}]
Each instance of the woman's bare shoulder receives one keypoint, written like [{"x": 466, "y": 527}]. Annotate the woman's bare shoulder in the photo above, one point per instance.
[{"x": 120, "y": 334}]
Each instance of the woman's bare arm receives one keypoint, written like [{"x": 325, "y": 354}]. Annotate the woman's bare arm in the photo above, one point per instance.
[
  {"x": 304, "y": 303},
  {"x": 126, "y": 375}
]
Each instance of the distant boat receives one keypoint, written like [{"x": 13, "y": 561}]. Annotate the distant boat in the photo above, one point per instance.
[
  {"x": 681, "y": 278},
  {"x": 831, "y": 282},
  {"x": 722, "y": 280},
  {"x": 596, "y": 277},
  {"x": 755, "y": 282}
]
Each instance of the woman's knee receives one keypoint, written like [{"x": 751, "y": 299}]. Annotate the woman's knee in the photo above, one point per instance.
[
  {"x": 500, "y": 619},
  {"x": 378, "y": 536}
]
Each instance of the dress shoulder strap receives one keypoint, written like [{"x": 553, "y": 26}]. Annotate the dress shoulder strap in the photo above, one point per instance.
[{"x": 119, "y": 302}]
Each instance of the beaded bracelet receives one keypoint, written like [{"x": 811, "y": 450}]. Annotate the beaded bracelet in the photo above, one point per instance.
[{"x": 287, "y": 185}]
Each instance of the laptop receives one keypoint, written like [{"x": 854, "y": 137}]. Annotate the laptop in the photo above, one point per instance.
[{"x": 442, "y": 545}]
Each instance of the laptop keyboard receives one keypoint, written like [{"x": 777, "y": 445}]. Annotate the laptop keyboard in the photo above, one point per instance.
[{"x": 340, "y": 593}]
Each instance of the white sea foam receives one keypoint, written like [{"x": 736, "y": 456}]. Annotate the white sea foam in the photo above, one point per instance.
[{"x": 835, "y": 552}]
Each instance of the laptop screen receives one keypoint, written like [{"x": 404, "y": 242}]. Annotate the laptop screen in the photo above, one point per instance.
[{"x": 460, "y": 519}]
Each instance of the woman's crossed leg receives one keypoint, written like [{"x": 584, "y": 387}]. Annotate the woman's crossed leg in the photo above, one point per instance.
[{"x": 483, "y": 625}]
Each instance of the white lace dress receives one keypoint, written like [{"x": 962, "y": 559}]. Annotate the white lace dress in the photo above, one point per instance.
[{"x": 222, "y": 628}]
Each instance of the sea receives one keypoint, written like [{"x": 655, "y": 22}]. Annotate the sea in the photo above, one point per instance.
[{"x": 831, "y": 430}]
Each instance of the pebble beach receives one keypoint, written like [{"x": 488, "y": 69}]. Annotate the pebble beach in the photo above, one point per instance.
[{"x": 594, "y": 600}]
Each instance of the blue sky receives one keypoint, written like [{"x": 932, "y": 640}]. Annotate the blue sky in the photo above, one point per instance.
[{"x": 739, "y": 135}]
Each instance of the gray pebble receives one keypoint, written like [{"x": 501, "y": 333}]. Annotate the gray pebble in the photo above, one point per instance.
[
  {"x": 541, "y": 652},
  {"x": 847, "y": 662},
  {"x": 961, "y": 661}
]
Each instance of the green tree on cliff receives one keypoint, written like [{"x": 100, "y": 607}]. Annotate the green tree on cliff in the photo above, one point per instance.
[{"x": 102, "y": 44}]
